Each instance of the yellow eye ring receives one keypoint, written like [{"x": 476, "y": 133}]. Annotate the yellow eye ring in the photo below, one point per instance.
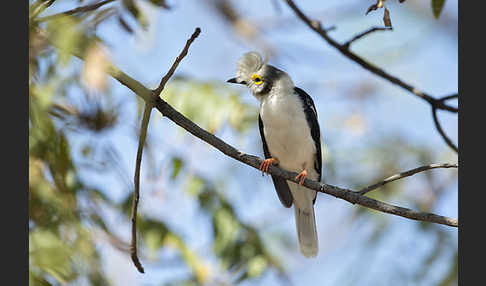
[{"x": 257, "y": 79}]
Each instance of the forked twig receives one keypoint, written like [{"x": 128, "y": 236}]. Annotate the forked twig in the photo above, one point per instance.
[{"x": 149, "y": 104}]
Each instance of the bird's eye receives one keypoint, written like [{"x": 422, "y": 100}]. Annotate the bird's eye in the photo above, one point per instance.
[{"x": 257, "y": 79}]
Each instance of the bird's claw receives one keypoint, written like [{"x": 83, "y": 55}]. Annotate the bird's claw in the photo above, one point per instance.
[
  {"x": 266, "y": 164},
  {"x": 301, "y": 177}
]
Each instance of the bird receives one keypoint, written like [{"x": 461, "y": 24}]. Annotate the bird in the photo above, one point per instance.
[{"x": 290, "y": 133}]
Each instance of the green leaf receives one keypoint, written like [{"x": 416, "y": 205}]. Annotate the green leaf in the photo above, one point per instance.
[
  {"x": 194, "y": 186},
  {"x": 66, "y": 33},
  {"x": 51, "y": 255},
  {"x": 176, "y": 167},
  {"x": 210, "y": 105},
  {"x": 256, "y": 266},
  {"x": 437, "y": 6}
]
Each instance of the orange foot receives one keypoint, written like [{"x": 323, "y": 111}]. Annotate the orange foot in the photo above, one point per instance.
[
  {"x": 301, "y": 177},
  {"x": 266, "y": 164}
]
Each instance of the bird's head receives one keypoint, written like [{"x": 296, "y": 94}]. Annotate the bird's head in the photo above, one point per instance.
[{"x": 260, "y": 77}]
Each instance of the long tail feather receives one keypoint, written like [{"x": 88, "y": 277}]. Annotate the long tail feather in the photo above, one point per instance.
[{"x": 306, "y": 230}]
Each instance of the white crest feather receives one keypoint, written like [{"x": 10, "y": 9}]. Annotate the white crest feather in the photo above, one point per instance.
[{"x": 248, "y": 64}]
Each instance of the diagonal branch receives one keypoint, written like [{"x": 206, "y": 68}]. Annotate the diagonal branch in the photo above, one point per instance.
[
  {"x": 405, "y": 174},
  {"x": 452, "y": 96},
  {"x": 316, "y": 26},
  {"x": 367, "y": 32},
  {"x": 253, "y": 161},
  {"x": 179, "y": 58}
]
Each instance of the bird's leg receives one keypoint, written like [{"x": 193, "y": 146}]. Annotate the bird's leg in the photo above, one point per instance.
[
  {"x": 266, "y": 164},
  {"x": 301, "y": 177}
]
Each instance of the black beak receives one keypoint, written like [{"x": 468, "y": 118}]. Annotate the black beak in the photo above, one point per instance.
[{"x": 233, "y": 80}]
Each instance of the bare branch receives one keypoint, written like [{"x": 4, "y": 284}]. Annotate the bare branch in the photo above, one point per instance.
[
  {"x": 164, "y": 80},
  {"x": 345, "y": 194},
  {"x": 405, "y": 174},
  {"x": 136, "y": 192},
  {"x": 367, "y": 32},
  {"x": 149, "y": 104},
  {"x": 316, "y": 26},
  {"x": 452, "y": 96},
  {"x": 85, "y": 8},
  {"x": 441, "y": 131}
]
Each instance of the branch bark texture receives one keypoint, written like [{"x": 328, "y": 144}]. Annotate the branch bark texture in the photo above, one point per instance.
[
  {"x": 405, "y": 174},
  {"x": 253, "y": 161}
]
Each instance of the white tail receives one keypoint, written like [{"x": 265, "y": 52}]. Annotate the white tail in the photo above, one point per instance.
[{"x": 306, "y": 230}]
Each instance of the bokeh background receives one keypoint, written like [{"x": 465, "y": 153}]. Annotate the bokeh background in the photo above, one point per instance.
[{"x": 206, "y": 219}]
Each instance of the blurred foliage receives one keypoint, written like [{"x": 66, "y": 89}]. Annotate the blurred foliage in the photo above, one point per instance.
[
  {"x": 237, "y": 244},
  {"x": 210, "y": 104},
  {"x": 437, "y": 6},
  {"x": 67, "y": 222},
  {"x": 63, "y": 229}
]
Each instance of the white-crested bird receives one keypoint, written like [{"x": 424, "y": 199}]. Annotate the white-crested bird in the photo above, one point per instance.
[{"x": 291, "y": 139}]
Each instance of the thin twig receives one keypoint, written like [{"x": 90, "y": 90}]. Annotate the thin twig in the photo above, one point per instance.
[
  {"x": 164, "y": 80},
  {"x": 317, "y": 27},
  {"x": 441, "y": 131},
  {"x": 136, "y": 191},
  {"x": 452, "y": 96},
  {"x": 405, "y": 174},
  {"x": 367, "y": 32},
  {"x": 149, "y": 104},
  {"x": 85, "y": 8}
]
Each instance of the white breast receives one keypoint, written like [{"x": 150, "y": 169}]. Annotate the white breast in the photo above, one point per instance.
[{"x": 287, "y": 132}]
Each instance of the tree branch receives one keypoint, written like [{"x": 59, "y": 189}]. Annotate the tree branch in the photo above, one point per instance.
[
  {"x": 345, "y": 194},
  {"x": 149, "y": 104},
  {"x": 136, "y": 192},
  {"x": 441, "y": 131},
  {"x": 164, "y": 80},
  {"x": 316, "y": 26},
  {"x": 455, "y": 95},
  {"x": 403, "y": 175},
  {"x": 367, "y": 32}
]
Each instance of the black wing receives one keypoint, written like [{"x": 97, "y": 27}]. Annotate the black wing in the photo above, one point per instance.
[
  {"x": 280, "y": 184},
  {"x": 311, "y": 116}
]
